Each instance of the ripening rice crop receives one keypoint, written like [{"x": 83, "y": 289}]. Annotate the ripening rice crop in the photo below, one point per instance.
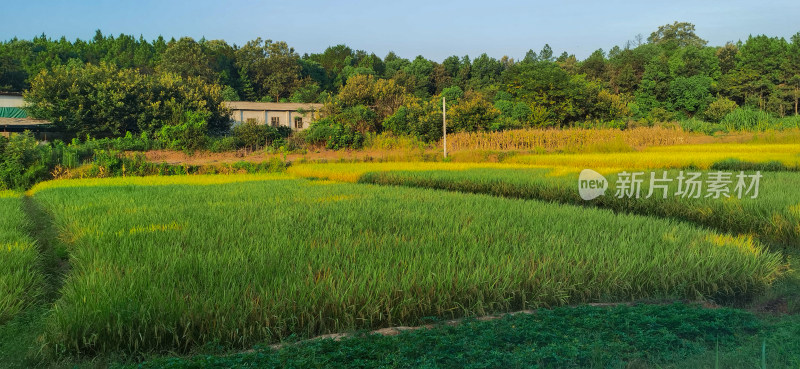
[
  {"x": 559, "y": 139},
  {"x": 351, "y": 172},
  {"x": 19, "y": 275},
  {"x": 177, "y": 266},
  {"x": 681, "y": 156}
]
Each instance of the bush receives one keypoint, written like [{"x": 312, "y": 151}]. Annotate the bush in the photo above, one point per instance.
[
  {"x": 222, "y": 144},
  {"x": 23, "y": 161},
  {"x": 189, "y": 135},
  {"x": 254, "y": 136},
  {"x": 747, "y": 119},
  {"x": 333, "y": 135},
  {"x": 397, "y": 123},
  {"x": 697, "y": 125},
  {"x": 718, "y": 109},
  {"x": 659, "y": 114},
  {"x": 358, "y": 118},
  {"x": 297, "y": 141},
  {"x": 503, "y": 123},
  {"x": 284, "y": 131}
]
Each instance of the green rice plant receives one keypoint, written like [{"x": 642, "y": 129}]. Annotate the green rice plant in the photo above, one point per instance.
[
  {"x": 20, "y": 279},
  {"x": 176, "y": 266},
  {"x": 773, "y": 216}
]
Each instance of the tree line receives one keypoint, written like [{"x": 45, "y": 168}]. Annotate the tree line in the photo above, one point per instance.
[{"x": 672, "y": 75}]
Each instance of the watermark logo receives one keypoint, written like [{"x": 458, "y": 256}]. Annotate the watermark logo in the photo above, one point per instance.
[
  {"x": 591, "y": 184},
  {"x": 635, "y": 185}
]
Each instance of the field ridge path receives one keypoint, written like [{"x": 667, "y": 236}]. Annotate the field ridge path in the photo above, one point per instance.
[{"x": 44, "y": 233}]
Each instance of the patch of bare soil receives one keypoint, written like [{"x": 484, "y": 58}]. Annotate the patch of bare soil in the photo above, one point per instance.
[{"x": 776, "y": 306}]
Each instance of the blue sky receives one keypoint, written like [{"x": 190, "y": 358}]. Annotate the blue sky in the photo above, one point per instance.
[{"x": 434, "y": 29}]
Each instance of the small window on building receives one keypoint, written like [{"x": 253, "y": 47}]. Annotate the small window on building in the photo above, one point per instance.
[
  {"x": 298, "y": 122},
  {"x": 275, "y": 121}
]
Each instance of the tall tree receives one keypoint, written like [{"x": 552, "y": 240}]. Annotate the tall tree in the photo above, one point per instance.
[
  {"x": 272, "y": 67},
  {"x": 185, "y": 57},
  {"x": 675, "y": 35}
]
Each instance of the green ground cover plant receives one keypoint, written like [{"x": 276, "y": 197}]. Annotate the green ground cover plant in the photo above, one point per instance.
[{"x": 586, "y": 336}]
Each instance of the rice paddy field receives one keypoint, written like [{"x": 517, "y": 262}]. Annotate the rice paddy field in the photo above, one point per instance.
[
  {"x": 175, "y": 266},
  {"x": 163, "y": 267}
]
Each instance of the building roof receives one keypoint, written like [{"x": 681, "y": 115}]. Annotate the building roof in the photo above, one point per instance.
[
  {"x": 21, "y": 124},
  {"x": 271, "y": 106}
]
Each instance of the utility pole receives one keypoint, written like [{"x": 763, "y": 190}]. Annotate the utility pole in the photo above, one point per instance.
[{"x": 444, "y": 125}]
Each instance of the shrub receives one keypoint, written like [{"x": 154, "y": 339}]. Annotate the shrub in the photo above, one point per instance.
[
  {"x": 23, "y": 161},
  {"x": 697, "y": 125},
  {"x": 718, "y": 109},
  {"x": 222, "y": 144},
  {"x": 284, "y": 131},
  {"x": 747, "y": 119},
  {"x": 503, "y": 123},
  {"x": 252, "y": 135},
  {"x": 333, "y": 135},
  {"x": 358, "y": 118},
  {"x": 660, "y": 114},
  {"x": 189, "y": 135}
]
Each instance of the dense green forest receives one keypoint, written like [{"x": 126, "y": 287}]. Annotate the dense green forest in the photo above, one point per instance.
[{"x": 672, "y": 75}]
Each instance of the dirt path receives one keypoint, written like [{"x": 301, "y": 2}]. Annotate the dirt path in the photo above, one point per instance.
[{"x": 54, "y": 264}]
